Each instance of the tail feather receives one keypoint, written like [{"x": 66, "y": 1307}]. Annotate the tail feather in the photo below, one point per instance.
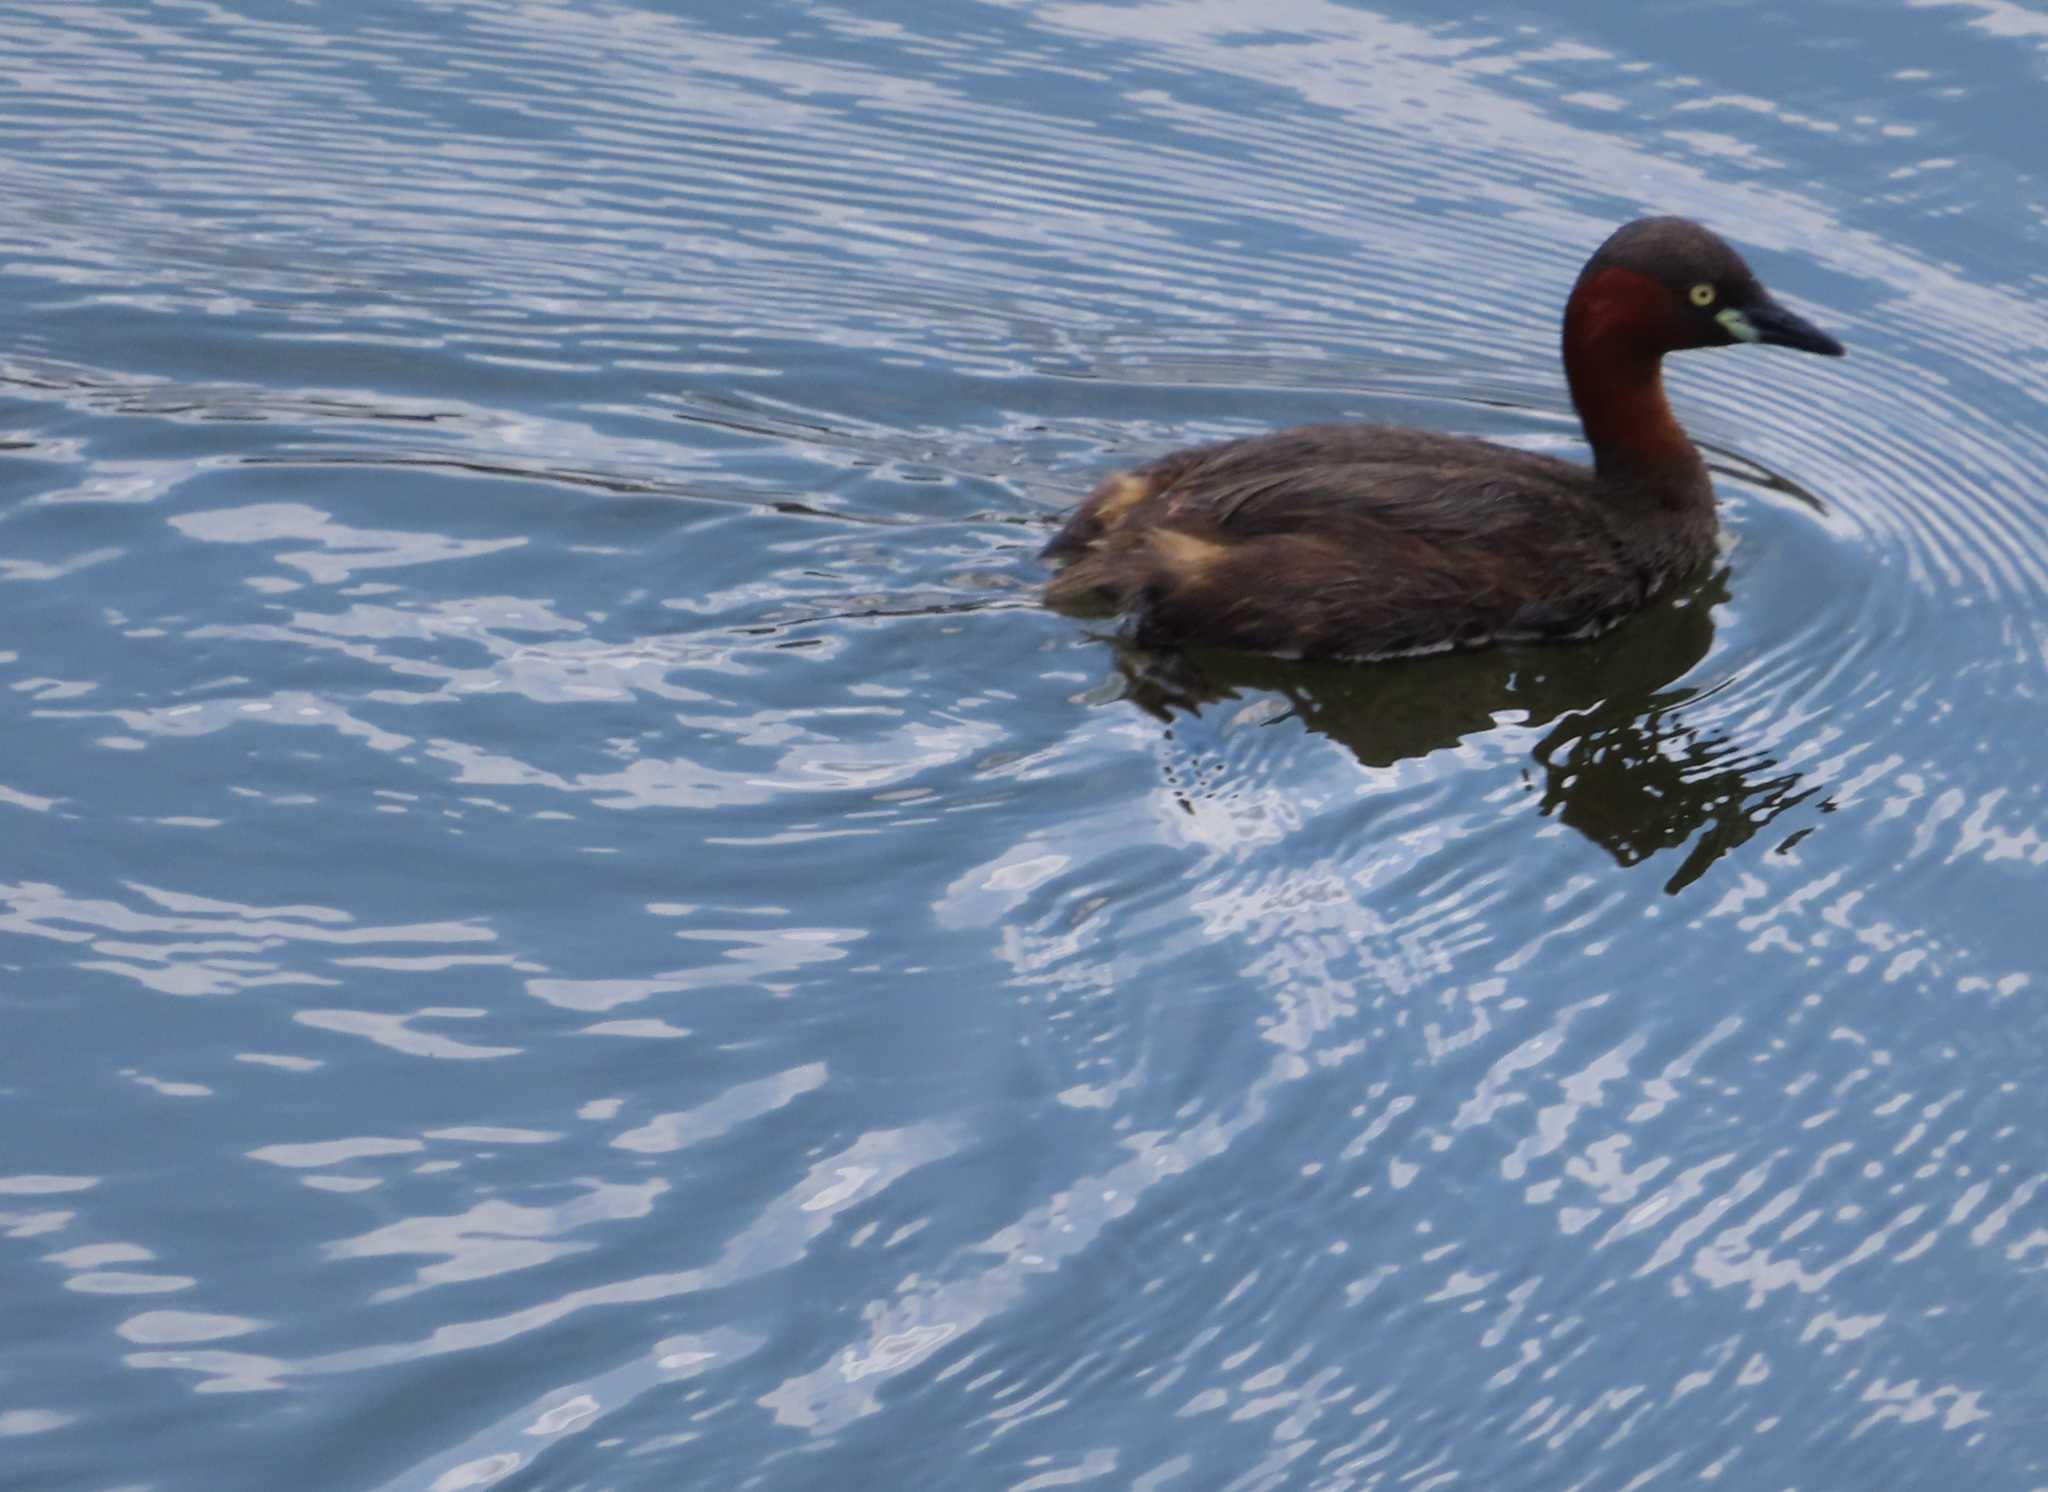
[
  {"x": 1092, "y": 586},
  {"x": 1072, "y": 541}
]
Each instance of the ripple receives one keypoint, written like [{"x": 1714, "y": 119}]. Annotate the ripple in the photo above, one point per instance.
[
  {"x": 496, "y": 1238},
  {"x": 33, "y": 1421},
  {"x": 185, "y": 1326},
  {"x": 43, "y": 1186},
  {"x": 180, "y": 944},
  {"x": 395, "y": 1032}
]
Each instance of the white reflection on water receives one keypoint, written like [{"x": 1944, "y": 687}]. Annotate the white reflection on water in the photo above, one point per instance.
[
  {"x": 519, "y": 1436},
  {"x": 749, "y": 959},
  {"x": 737, "y": 1105},
  {"x": 185, "y": 1326},
  {"x": 344, "y": 550},
  {"x": 395, "y": 1031},
  {"x": 181, "y": 944},
  {"x": 1852, "y": 1190},
  {"x": 32, "y": 1421},
  {"x": 999, "y": 1273},
  {"x": 493, "y": 1237},
  {"x": 497, "y": 1237}
]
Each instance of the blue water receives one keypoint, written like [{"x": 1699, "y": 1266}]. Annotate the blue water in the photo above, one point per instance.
[{"x": 567, "y": 920}]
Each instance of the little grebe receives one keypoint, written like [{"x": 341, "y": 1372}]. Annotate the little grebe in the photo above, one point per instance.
[{"x": 1360, "y": 541}]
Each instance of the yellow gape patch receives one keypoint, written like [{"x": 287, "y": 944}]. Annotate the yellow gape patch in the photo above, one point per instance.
[{"x": 1738, "y": 325}]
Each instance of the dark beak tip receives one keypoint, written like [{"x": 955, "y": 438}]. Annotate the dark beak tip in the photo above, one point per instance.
[{"x": 1782, "y": 327}]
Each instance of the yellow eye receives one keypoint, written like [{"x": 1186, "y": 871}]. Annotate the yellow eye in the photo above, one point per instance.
[{"x": 1703, "y": 295}]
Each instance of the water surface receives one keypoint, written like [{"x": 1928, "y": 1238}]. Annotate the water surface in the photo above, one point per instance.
[{"x": 567, "y": 919}]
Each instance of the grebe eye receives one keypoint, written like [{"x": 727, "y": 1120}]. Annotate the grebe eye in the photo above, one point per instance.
[{"x": 1703, "y": 295}]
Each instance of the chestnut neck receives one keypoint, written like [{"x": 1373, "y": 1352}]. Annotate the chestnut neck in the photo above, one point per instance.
[{"x": 1615, "y": 338}]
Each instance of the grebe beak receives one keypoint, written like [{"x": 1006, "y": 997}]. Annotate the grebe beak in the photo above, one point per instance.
[{"x": 1767, "y": 321}]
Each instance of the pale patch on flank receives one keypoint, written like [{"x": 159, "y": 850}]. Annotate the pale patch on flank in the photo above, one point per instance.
[
  {"x": 1188, "y": 557},
  {"x": 1119, "y": 496}
]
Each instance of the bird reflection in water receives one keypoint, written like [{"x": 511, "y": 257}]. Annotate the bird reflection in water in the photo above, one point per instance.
[{"x": 1622, "y": 764}]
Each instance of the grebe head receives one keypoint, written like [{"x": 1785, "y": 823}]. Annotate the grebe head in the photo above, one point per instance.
[{"x": 1666, "y": 284}]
